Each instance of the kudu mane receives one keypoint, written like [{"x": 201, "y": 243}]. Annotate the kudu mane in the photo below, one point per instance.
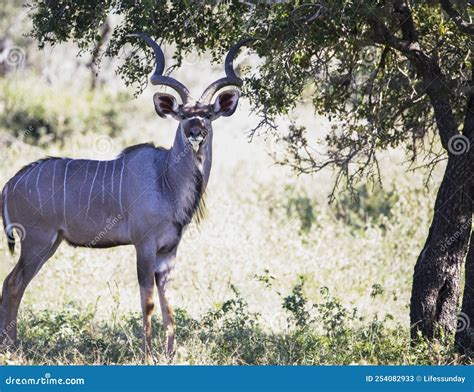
[{"x": 197, "y": 209}]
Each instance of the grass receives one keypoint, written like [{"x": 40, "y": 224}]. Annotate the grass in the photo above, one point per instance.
[
  {"x": 273, "y": 275},
  {"x": 229, "y": 334}
]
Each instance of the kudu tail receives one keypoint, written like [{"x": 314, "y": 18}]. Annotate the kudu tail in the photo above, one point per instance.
[{"x": 7, "y": 225}]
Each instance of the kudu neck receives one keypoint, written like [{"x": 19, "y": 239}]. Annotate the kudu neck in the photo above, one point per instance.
[{"x": 184, "y": 161}]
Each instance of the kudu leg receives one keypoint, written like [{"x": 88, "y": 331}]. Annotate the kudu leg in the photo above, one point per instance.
[
  {"x": 162, "y": 279},
  {"x": 36, "y": 248},
  {"x": 145, "y": 269}
]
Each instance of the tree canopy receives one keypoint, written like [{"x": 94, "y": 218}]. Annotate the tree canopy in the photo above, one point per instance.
[{"x": 366, "y": 65}]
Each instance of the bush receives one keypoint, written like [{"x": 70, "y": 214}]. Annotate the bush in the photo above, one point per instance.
[
  {"x": 325, "y": 332},
  {"x": 365, "y": 206},
  {"x": 37, "y": 114}
]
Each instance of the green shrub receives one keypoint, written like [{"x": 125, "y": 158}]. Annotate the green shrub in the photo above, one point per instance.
[
  {"x": 37, "y": 114},
  {"x": 366, "y": 205},
  {"x": 301, "y": 207},
  {"x": 325, "y": 332}
]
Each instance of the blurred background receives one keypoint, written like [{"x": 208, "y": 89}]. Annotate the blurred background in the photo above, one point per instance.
[{"x": 267, "y": 233}]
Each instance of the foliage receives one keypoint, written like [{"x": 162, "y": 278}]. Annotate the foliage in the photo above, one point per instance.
[
  {"x": 365, "y": 207},
  {"x": 44, "y": 116},
  {"x": 332, "y": 53},
  {"x": 230, "y": 334},
  {"x": 295, "y": 304},
  {"x": 300, "y": 207},
  {"x": 360, "y": 210}
]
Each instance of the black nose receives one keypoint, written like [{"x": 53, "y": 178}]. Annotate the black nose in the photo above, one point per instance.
[{"x": 195, "y": 132}]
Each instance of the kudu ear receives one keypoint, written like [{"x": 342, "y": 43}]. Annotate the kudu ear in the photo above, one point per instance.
[
  {"x": 165, "y": 104},
  {"x": 226, "y": 103}
]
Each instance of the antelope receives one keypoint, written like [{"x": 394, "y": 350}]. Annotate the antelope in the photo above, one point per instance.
[{"x": 145, "y": 197}]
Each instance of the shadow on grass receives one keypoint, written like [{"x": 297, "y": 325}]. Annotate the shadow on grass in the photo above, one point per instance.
[{"x": 322, "y": 333}]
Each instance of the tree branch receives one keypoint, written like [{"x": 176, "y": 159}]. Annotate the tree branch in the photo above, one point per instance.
[
  {"x": 407, "y": 25},
  {"x": 383, "y": 36},
  {"x": 434, "y": 83},
  {"x": 463, "y": 25}
]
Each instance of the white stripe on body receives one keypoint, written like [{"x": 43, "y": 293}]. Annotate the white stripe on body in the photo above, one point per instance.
[{"x": 92, "y": 187}]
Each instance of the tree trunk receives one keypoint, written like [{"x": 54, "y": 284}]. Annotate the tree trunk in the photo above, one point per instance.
[
  {"x": 465, "y": 321},
  {"x": 464, "y": 339},
  {"x": 436, "y": 280}
]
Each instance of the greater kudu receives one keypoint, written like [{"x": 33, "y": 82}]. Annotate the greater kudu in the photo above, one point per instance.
[{"x": 145, "y": 197}]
